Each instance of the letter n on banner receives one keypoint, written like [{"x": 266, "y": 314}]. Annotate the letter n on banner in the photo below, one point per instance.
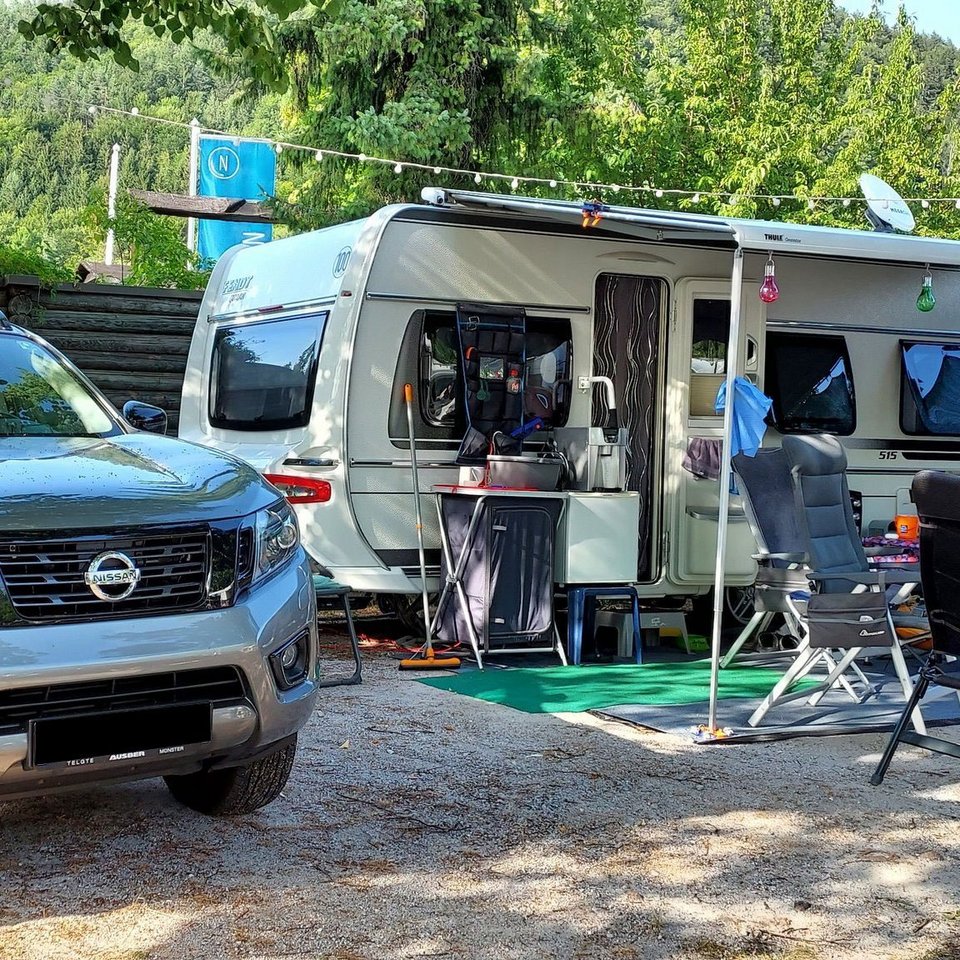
[{"x": 242, "y": 170}]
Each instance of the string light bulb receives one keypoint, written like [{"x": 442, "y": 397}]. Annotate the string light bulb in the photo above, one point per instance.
[
  {"x": 279, "y": 149},
  {"x": 318, "y": 156},
  {"x": 776, "y": 201},
  {"x": 362, "y": 157},
  {"x": 553, "y": 184},
  {"x": 93, "y": 112},
  {"x": 477, "y": 178},
  {"x": 769, "y": 291},
  {"x": 436, "y": 170},
  {"x": 696, "y": 198},
  {"x": 846, "y": 201},
  {"x": 398, "y": 168},
  {"x": 926, "y": 301},
  {"x": 514, "y": 183},
  {"x": 658, "y": 193},
  {"x": 134, "y": 111}
]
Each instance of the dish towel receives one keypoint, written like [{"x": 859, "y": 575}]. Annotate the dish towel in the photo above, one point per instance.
[{"x": 750, "y": 408}]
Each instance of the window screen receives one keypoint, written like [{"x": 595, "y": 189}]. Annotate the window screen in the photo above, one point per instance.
[
  {"x": 263, "y": 374},
  {"x": 811, "y": 383},
  {"x": 711, "y": 333},
  {"x": 930, "y": 389},
  {"x": 546, "y": 376}
]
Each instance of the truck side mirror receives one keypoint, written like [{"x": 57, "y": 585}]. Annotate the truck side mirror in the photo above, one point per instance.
[{"x": 145, "y": 416}]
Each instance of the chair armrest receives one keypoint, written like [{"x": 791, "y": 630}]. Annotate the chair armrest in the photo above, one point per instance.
[
  {"x": 786, "y": 557},
  {"x": 887, "y": 575}
]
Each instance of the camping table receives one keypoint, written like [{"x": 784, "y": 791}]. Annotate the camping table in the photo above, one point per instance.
[
  {"x": 907, "y": 551},
  {"x": 498, "y": 559}
]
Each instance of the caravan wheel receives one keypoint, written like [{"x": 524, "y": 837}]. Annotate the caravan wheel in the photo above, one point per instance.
[
  {"x": 405, "y": 607},
  {"x": 738, "y": 604}
]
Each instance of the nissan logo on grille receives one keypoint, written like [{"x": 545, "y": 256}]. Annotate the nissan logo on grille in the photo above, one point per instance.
[{"x": 112, "y": 576}]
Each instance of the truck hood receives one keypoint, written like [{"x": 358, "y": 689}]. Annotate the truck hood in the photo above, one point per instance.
[{"x": 59, "y": 483}]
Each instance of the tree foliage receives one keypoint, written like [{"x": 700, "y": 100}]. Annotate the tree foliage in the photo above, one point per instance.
[
  {"x": 728, "y": 97},
  {"x": 148, "y": 249},
  {"x": 88, "y": 28}
]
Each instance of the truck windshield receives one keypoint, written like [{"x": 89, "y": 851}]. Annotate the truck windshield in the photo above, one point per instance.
[{"x": 39, "y": 396}]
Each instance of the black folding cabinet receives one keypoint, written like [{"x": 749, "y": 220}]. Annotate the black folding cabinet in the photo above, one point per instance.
[{"x": 497, "y": 571}]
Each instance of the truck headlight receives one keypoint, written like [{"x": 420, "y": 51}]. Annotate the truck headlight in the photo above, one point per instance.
[{"x": 277, "y": 537}]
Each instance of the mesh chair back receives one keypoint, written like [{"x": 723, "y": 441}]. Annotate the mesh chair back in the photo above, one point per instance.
[
  {"x": 937, "y": 496},
  {"x": 822, "y": 496},
  {"x": 766, "y": 486}
]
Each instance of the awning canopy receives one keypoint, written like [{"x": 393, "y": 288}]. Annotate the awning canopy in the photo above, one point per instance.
[{"x": 759, "y": 236}]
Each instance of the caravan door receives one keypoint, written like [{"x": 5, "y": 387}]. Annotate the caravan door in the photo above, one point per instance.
[{"x": 698, "y": 354}]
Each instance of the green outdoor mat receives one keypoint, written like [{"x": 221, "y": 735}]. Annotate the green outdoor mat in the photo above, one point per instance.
[{"x": 573, "y": 689}]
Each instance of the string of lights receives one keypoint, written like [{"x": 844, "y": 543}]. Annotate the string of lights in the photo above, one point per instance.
[{"x": 515, "y": 181}]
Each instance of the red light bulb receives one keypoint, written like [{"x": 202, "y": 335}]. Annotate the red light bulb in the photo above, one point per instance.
[{"x": 769, "y": 291}]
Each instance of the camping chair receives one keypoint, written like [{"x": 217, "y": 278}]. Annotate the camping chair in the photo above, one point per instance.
[
  {"x": 850, "y": 610},
  {"x": 766, "y": 484},
  {"x": 332, "y": 595},
  {"x": 937, "y": 496}
]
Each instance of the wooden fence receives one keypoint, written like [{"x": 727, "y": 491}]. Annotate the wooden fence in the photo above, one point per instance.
[{"x": 132, "y": 342}]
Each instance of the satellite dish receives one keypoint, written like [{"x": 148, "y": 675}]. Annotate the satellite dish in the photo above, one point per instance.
[{"x": 887, "y": 211}]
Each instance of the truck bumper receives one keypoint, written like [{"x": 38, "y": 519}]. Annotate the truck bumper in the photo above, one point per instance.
[{"x": 241, "y": 637}]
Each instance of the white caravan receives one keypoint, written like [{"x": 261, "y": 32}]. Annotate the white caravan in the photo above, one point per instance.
[{"x": 303, "y": 346}]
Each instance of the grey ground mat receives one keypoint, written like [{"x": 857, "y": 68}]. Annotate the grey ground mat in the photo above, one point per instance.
[{"x": 835, "y": 715}]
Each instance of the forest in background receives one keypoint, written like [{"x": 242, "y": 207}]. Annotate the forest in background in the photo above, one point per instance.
[{"x": 738, "y": 96}]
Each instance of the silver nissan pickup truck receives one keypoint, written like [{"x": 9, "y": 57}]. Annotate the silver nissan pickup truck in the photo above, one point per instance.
[{"x": 157, "y": 614}]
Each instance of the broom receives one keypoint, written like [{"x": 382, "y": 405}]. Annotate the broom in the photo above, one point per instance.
[{"x": 425, "y": 658}]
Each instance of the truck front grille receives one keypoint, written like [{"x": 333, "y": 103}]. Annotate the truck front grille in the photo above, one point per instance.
[
  {"x": 217, "y": 685},
  {"x": 45, "y": 578}
]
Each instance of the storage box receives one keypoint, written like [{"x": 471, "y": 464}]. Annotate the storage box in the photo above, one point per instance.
[{"x": 598, "y": 538}]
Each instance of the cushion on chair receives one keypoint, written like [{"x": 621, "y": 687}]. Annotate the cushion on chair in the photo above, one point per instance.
[
  {"x": 823, "y": 499},
  {"x": 327, "y": 586}
]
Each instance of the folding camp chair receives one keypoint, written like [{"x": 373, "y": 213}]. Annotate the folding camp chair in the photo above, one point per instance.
[
  {"x": 937, "y": 496},
  {"x": 766, "y": 485},
  {"x": 850, "y": 610}
]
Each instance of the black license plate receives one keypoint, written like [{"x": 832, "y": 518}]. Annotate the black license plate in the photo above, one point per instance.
[{"x": 119, "y": 736}]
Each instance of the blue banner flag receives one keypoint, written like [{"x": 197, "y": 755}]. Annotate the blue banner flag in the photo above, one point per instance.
[{"x": 244, "y": 170}]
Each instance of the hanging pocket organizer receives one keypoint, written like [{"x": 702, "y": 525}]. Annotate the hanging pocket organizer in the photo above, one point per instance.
[{"x": 493, "y": 359}]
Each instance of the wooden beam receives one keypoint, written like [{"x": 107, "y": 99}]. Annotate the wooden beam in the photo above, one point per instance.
[{"x": 206, "y": 208}]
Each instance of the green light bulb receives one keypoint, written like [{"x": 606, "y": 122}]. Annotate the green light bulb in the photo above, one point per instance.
[{"x": 926, "y": 301}]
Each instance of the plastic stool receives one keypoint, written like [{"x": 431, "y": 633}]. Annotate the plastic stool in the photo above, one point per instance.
[
  {"x": 330, "y": 593},
  {"x": 578, "y": 611}
]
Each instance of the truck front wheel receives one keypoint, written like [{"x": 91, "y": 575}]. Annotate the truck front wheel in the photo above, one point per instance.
[{"x": 236, "y": 790}]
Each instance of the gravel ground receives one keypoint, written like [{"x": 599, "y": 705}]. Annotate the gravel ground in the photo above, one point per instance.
[{"x": 419, "y": 823}]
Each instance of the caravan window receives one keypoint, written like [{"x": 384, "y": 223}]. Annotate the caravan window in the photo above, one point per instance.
[
  {"x": 711, "y": 333},
  {"x": 262, "y": 374},
  {"x": 439, "y": 370},
  {"x": 811, "y": 383},
  {"x": 546, "y": 380},
  {"x": 930, "y": 389}
]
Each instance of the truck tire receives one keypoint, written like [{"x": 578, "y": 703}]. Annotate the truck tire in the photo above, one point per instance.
[{"x": 236, "y": 790}]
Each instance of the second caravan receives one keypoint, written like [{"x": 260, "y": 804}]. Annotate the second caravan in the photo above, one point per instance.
[{"x": 303, "y": 346}]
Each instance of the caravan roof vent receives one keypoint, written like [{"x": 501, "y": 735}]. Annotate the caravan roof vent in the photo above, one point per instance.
[{"x": 887, "y": 211}]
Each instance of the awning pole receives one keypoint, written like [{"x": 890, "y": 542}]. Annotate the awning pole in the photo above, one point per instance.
[{"x": 732, "y": 360}]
